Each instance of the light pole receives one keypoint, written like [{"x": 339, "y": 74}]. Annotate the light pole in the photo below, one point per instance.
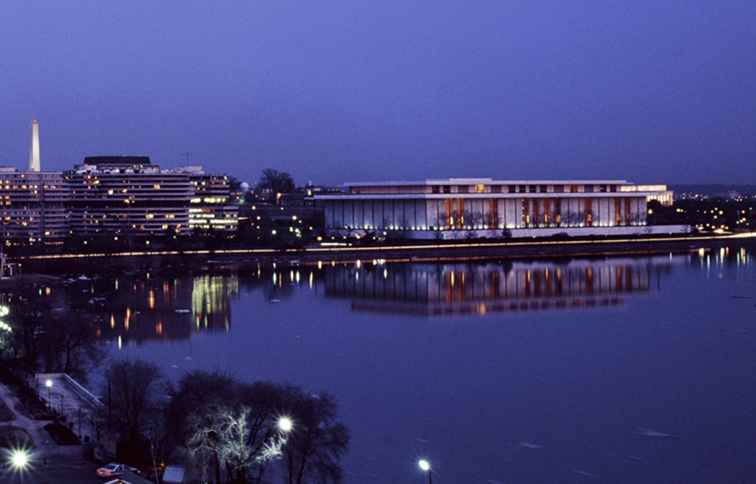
[
  {"x": 49, "y": 384},
  {"x": 425, "y": 466}
]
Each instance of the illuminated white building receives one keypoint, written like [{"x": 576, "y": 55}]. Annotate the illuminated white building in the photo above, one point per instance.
[
  {"x": 34, "y": 155},
  {"x": 484, "y": 207}
]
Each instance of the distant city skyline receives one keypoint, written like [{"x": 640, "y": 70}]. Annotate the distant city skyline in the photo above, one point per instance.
[{"x": 368, "y": 91}]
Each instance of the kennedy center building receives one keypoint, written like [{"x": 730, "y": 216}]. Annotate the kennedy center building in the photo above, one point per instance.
[{"x": 483, "y": 207}]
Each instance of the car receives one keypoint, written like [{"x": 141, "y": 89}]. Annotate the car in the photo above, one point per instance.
[{"x": 115, "y": 470}]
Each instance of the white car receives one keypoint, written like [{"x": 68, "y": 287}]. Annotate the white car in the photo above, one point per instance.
[{"x": 115, "y": 470}]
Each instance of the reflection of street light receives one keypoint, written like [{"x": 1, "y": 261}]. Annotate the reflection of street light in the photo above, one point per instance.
[
  {"x": 285, "y": 424},
  {"x": 19, "y": 459},
  {"x": 425, "y": 466}
]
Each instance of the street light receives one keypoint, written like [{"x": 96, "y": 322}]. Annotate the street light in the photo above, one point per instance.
[
  {"x": 285, "y": 424},
  {"x": 425, "y": 466},
  {"x": 19, "y": 459},
  {"x": 48, "y": 385}
]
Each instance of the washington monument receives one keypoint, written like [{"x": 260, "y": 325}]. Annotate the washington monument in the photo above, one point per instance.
[{"x": 34, "y": 164}]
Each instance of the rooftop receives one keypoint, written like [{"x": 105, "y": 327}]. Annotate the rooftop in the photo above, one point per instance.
[
  {"x": 487, "y": 181},
  {"x": 117, "y": 160}
]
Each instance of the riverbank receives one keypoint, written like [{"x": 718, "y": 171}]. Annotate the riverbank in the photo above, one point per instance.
[{"x": 502, "y": 249}]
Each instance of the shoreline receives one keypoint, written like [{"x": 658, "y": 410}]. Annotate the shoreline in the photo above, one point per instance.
[{"x": 434, "y": 252}]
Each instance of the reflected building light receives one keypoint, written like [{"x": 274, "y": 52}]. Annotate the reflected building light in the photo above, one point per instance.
[
  {"x": 120, "y": 342},
  {"x": 311, "y": 279},
  {"x": 211, "y": 296},
  {"x": 436, "y": 290}
]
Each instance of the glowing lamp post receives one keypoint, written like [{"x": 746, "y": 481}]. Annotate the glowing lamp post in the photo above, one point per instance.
[
  {"x": 48, "y": 385},
  {"x": 19, "y": 459},
  {"x": 425, "y": 466},
  {"x": 285, "y": 425}
]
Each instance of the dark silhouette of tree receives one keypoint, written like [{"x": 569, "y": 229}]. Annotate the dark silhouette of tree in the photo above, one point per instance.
[
  {"x": 275, "y": 181},
  {"x": 318, "y": 442},
  {"x": 52, "y": 337},
  {"x": 132, "y": 403},
  {"x": 228, "y": 426}
]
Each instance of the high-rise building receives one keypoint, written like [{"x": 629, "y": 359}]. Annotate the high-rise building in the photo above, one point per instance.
[
  {"x": 128, "y": 195},
  {"x": 212, "y": 208},
  {"x": 32, "y": 207},
  {"x": 34, "y": 156}
]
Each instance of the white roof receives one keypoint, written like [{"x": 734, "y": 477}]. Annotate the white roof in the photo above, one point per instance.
[{"x": 489, "y": 181}]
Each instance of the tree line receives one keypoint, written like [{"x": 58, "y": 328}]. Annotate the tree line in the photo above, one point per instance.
[{"x": 227, "y": 431}]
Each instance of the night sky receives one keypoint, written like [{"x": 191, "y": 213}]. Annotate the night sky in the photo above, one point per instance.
[{"x": 339, "y": 90}]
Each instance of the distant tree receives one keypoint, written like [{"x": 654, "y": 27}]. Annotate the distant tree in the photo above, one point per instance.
[{"x": 275, "y": 181}]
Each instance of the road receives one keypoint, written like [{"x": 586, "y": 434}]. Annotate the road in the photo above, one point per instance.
[{"x": 54, "y": 472}]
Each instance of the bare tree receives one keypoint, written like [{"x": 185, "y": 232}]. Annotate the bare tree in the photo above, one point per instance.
[
  {"x": 133, "y": 390},
  {"x": 317, "y": 444}
]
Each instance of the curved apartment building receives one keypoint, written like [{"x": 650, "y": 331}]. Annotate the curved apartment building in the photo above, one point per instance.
[{"x": 127, "y": 195}]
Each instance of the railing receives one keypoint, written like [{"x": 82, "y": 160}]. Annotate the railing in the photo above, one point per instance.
[{"x": 82, "y": 392}]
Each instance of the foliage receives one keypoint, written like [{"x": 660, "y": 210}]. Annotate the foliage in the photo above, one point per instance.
[{"x": 275, "y": 181}]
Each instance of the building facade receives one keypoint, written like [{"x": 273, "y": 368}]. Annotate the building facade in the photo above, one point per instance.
[
  {"x": 32, "y": 207},
  {"x": 483, "y": 207},
  {"x": 112, "y": 195},
  {"x": 212, "y": 208}
]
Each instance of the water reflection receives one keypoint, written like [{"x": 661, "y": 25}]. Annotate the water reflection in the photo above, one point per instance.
[
  {"x": 151, "y": 307},
  {"x": 170, "y": 308},
  {"x": 482, "y": 289}
]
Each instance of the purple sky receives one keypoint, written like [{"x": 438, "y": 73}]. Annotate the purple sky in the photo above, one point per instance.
[{"x": 337, "y": 90}]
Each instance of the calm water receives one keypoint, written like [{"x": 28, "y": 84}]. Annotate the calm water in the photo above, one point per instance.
[{"x": 610, "y": 370}]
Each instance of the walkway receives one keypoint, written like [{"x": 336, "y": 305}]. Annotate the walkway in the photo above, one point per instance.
[
  {"x": 50, "y": 462},
  {"x": 69, "y": 398}
]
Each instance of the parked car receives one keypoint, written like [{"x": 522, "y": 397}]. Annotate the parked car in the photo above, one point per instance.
[{"x": 115, "y": 470}]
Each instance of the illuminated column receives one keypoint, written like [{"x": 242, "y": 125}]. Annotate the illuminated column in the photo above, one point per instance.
[{"x": 34, "y": 164}]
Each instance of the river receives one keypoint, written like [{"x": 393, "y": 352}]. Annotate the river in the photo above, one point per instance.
[{"x": 572, "y": 370}]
